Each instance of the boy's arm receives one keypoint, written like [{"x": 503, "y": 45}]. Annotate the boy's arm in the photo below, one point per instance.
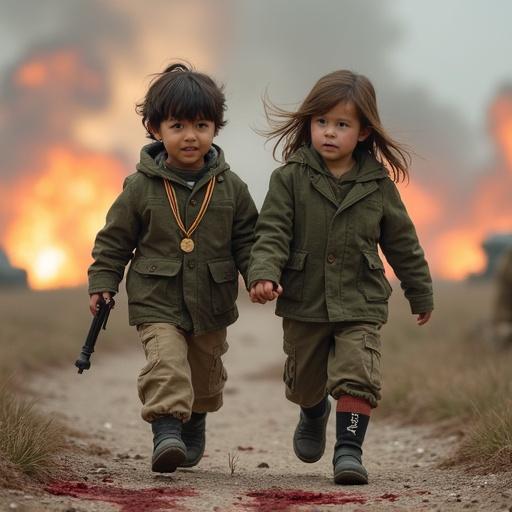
[
  {"x": 274, "y": 231},
  {"x": 244, "y": 222},
  {"x": 115, "y": 243},
  {"x": 401, "y": 247}
]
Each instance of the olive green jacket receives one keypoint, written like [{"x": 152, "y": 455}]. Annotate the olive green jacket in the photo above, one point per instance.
[
  {"x": 195, "y": 291},
  {"x": 324, "y": 254}
]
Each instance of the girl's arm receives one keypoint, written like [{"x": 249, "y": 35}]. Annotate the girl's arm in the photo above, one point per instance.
[
  {"x": 274, "y": 230},
  {"x": 401, "y": 248}
]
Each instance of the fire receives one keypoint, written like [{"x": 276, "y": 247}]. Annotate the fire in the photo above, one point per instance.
[
  {"x": 57, "y": 213},
  {"x": 63, "y": 69}
]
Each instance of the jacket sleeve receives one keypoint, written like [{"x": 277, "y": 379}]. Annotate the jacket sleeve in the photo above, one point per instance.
[
  {"x": 401, "y": 248},
  {"x": 115, "y": 243},
  {"x": 244, "y": 222},
  {"x": 274, "y": 231}
]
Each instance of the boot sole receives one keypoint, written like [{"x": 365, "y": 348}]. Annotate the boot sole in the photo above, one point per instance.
[
  {"x": 168, "y": 460},
  {"x": 350, "y": 477}
]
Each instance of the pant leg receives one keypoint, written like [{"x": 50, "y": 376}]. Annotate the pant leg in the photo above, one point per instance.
[
  {"x": 354, "y": 366},
  {"x": 164, "y": 384},
  {"x": 306, "y": 345},
  {"x": 208, "y": 373}
]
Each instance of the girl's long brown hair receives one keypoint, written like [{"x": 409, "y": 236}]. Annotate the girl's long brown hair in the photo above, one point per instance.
[{"x": 292, "y": 129}]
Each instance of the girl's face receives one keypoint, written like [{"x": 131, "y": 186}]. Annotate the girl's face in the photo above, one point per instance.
[
  {"x": 335, "y": 136},
  {"x": 186, "y": 142}
]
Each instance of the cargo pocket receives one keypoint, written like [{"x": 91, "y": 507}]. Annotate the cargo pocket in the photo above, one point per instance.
[
  {"x": 154, "y": 279},
  {"x": 372, "y": 347},
  {"x": 149, "y": 339},
  {"x": 218, "y": 374},
  {"x": 289, "y": 366},
  {"x": 292, "y": 279},
  {"x": 224, "y": 285},
  {"x": 372, "y": 282}
]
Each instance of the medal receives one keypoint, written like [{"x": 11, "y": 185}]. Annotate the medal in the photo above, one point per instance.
[{"x": 187, "y": 244}]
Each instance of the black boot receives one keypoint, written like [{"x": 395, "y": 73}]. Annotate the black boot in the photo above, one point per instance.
[
  {"x": 169, "y": 451},
  {"x": 309, "y": 437},
  {"x": 193, "y": 435},
  {"x": 347, "y": 461}
]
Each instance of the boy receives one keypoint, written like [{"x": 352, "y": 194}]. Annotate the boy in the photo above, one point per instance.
[{"x": 188, "y": 223}]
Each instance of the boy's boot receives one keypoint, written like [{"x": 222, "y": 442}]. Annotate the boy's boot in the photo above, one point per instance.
[
  {"x": 193, "y": 435},
  {"x": 309, "y": 437},
  {"x": 352, "y": 417},
  {"x": 169, "y": 451}
]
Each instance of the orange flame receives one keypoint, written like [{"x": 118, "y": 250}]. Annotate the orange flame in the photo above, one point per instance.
[
  {"x": 57, "y": 214},
  {"x": 61, "y": 70}
]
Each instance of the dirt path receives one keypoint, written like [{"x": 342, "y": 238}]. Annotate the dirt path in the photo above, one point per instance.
[{"x": 255, "y": 425}]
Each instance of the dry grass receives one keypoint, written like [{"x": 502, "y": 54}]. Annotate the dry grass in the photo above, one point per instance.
[
  {"x": 39, "y": 331},
  {"x": 447, "y": 370},
  {"x": 28, "y": 442}
]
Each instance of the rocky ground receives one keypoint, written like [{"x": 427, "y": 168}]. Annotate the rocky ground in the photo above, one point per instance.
[{"x": 249, "y": 462}]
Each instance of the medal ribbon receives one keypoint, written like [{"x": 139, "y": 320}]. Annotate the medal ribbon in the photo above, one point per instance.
[{"x": 173, "y": 201}]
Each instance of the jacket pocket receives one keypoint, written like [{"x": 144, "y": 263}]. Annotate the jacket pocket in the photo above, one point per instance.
[
  {"x": 224, "y": 285},
  {"x": 372, "y": 282},
  {"x": 292, "y": 279},
  {"x": 153, "y": 280}
]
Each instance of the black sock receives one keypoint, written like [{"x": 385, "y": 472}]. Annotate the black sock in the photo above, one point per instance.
[
  {"x": 351, "y": 428},
  {"x": 317, "y": 410},
  {"x": 196, "y": 416}
]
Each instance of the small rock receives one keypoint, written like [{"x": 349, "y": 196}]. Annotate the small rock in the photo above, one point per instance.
[
  {"x": 13, "y": 506},
  {"x": 108, "y": 425},
  {"x": 100, "y": 470},
  {"x": 263, "y": 465}
]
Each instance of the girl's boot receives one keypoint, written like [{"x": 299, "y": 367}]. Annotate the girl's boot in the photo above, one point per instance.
[
  {"x": 309, "y": 436},
  {"x": 169, "y": 451},
  {"x": 352, "y": 417},
  {"x": 193, "y": 435}
]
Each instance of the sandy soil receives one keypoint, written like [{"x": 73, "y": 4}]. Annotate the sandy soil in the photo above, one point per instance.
[{"x": 109, "y": 469}]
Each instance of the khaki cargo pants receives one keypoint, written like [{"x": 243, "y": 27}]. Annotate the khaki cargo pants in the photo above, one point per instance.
[
  {"x": 184, "y": 372},
  {"x": 335, "y": 358}
]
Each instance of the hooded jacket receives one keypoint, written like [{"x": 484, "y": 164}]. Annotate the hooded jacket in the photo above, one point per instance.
[
  {"x": 195, "y": 291},
  {"x": 325, "y": 253}
]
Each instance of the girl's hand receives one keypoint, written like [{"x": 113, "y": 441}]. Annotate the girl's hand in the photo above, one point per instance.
[
  {"x": 95, "y": 298},
  {"x": 423, "y": 318},
  {"x": 263, "y": 291}
]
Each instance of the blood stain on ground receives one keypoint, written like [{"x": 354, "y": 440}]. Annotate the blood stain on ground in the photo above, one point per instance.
[
  {"x": 282, "y": 499},
  {"x": 129, "y": 500}
]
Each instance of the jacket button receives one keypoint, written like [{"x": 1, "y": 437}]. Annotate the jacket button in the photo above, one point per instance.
[
  {"x": 191, "y": 264},
  {"x": 193, "y": 202},
  {"x": 152, "y": 268},
  {"x": 331, "y": 258}
]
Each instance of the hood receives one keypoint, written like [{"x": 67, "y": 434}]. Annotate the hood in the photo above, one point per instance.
[
  {"x": 369, "y": 168},
  {"x": 150, "y": 162}
]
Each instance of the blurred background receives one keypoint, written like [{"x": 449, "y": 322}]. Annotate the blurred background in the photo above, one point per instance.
[{"x": 71, "y": 73}]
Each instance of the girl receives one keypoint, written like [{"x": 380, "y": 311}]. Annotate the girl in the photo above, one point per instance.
[{"x": 326, "y": 212}]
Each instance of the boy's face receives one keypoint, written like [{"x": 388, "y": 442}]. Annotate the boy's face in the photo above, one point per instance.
[{"x": 186, "y": 142}]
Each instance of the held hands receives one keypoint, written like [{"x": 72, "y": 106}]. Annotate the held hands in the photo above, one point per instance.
[
  {"x": 263, "y": 291},
  {"x": 423, "y": 318},
  {"x": 95, "y": 298}
]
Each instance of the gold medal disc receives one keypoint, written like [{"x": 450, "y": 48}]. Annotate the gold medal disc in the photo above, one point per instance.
[{"x": 187, "y": 245}]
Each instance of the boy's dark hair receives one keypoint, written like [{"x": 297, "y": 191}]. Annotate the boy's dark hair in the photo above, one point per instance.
[{"x": 183, "y": 94}]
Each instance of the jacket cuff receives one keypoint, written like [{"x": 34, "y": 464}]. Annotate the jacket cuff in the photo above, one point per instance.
[
  {"x": 422, "y": 304},
  {"x": 103, "y": 282},
  {"x": 261, "y": 276}
]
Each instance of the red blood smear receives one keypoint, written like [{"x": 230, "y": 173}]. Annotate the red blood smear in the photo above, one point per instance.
[
  {"x": 281, "y": 499},
  {"x": 129, "y": 500},
  {"x": 389, "y": 497}
]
